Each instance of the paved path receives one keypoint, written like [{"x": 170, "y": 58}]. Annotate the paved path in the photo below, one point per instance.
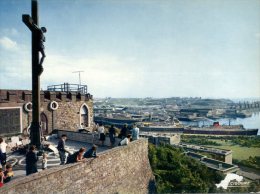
[
  {"x": 53, "y": 159},
  {"x": 249, "y": 173}
]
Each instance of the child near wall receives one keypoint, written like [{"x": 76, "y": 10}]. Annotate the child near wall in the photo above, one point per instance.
[
  {"x": 1, "y": 177},
  {"x": 8, "y": 173},
  {"x": 44, "y": 161}
]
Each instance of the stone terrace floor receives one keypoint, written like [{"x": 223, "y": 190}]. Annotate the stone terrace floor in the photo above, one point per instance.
[{"x": 53, "y": 159}]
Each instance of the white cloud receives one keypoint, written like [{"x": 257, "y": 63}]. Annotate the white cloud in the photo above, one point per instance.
[
  {"x": 8, "y": 44},
  {"x": 257, "y": 35},
  {"x": 104, "y": 74},
  {"x": 111, "y": 75},
  {"x": 15, "y": 67},
  {"x": 10, "y": 31}
]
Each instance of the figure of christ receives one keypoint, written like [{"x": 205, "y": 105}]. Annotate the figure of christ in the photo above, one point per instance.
[{"x": 40, "y": 44}]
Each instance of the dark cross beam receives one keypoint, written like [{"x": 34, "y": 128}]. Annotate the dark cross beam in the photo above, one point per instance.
[{"x": 32, "y": 24}]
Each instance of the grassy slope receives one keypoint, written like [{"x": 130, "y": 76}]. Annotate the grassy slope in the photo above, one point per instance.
[{"x": 239, "y": 153}]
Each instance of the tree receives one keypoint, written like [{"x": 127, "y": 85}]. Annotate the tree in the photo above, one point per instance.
[{"x": 177, "y": 173}]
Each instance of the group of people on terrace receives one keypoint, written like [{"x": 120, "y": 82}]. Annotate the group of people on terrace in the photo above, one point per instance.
[
  {"x": 78, "y": 156},
  {"x": 125, "y": 135}
]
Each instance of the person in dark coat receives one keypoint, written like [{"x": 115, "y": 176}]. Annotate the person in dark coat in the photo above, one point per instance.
[
  {"x": 124, "y": 132},
  {"x": 31, "y": 161},
  {"x": 112, "y": 134},
  {"x": 76, "y": 157},
  {"x": 61, "y": 148},
  {"x": 91, "y": 153}
]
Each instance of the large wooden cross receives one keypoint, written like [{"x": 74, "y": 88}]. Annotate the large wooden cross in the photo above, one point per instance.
[{"x": 32, "y": 24}]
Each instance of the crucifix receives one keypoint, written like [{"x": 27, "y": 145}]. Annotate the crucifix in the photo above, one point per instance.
[{"x": 37, "y": 69}]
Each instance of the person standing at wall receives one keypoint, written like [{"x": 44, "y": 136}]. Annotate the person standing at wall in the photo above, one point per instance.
[
  {"x": 62, "y": 150},
  {"x": 135, "y": 132},
  {"x": 3, "y": 146},
  {"x": 101, "y": 131},
  {"x": 112, "y": 134},
  {"x": 31, "y": 161},
  {"x": 124, "y": 132},
  {"x": 95, "y": 128}
]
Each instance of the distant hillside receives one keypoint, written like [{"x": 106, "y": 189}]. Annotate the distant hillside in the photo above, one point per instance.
[{"x": 190, "y": 102}]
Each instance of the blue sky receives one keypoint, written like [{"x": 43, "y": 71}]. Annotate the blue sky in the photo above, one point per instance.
[{"x": 155, "y": 48}]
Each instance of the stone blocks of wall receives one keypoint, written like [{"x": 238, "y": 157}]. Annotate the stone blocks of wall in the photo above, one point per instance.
[
  {"x": 124, "y": 169},
  {"x": 66, "y": 117}
]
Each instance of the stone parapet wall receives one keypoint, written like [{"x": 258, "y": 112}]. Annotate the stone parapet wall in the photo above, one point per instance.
[
  {"x": 26, "y": 96},
  {"x": 123, "y": 169}
]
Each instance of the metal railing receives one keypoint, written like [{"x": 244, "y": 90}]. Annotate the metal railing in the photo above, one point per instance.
[{"x": 66, "y": 87}]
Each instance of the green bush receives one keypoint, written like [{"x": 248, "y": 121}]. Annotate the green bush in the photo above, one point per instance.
[
  {"x": 251, "y": 162},
  {"x": 177, "y": 173},
  {"x": 247, "y": 141}
]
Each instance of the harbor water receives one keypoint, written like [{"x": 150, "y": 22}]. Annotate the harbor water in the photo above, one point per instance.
[{"x": 252, "y": 122}]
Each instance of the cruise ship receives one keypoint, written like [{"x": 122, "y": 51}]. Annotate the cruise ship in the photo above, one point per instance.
[
  {"x": 215, "y": 129},
  {"x": 218, "y": 129}
]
